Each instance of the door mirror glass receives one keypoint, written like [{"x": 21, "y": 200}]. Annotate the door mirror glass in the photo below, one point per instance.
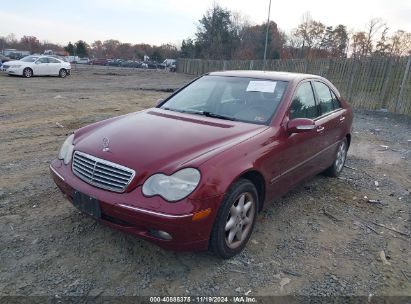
[{"x": 300, "y": 125}]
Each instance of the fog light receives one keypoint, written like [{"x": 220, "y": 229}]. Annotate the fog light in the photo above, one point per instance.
[{"x": 161, "y": 234}]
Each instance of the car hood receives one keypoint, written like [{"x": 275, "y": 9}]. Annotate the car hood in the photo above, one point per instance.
[
  {"x": 13, "y": 62},
  {"x": 157, "y": 140}
]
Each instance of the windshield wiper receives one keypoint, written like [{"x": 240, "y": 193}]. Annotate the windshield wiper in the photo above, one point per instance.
[
  {"x": 183, "y": 111},
  {"x": 199, "y": 112},
  {"x": 215, "y": 115}
]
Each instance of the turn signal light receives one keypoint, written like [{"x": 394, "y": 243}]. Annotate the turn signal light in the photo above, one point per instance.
[{"x": 201, "y": 214}]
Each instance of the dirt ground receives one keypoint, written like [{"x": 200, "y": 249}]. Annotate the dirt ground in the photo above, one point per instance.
[{"x": 323, "y": 238}]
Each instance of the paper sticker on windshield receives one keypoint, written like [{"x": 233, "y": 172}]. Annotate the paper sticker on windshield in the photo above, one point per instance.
[{"x": 261, "y": 86}]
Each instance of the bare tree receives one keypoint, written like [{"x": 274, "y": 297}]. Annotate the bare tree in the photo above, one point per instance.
[
  {"x": 383, "y": 46},
  {"x": 400, "y": 43},
  {"x": 373, "y": 27},
  {"x": 97, "y": 48},
  {"x": 311, "y": 32},
  {"x": 359, "y": 44}
]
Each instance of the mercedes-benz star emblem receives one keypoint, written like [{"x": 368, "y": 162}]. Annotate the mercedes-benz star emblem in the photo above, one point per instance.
[{"x": 106, "y": 143}]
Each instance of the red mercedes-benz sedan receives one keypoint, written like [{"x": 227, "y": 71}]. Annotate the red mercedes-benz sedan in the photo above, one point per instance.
[{"x": 193, "y": 172}]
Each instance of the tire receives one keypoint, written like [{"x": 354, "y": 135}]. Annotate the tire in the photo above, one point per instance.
[
  {"x": 233, "y": 217},
  {"x": 340, "y": 156},
  {"x": 27, "y": 72},
  {"x": 63, "y": 73}
]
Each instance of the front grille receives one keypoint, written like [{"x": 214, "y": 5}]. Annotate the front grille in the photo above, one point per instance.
[{"x": 101, "y": 173}]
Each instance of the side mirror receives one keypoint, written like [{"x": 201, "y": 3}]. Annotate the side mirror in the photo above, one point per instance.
[
  {"x": 159, "y": 101},
  {"x": 300, "y": 125}
]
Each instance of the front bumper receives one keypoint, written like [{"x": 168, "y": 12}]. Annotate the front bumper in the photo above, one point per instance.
[
  {"x": 15, "y": 71},
  {"x": 133, "y": 213}
]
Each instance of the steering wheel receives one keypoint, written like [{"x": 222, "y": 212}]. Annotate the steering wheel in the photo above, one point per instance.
[
  {"x": 253, "y": 113},
  {"x": 232, "y": 100},
  {"x": 259, "y": 109}
]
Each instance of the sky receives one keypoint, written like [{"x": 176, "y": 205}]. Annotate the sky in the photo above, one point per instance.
[{"x": 171, "y": 21}]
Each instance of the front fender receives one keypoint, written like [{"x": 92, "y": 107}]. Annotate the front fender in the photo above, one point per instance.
[{"x": 221, "y": 171}]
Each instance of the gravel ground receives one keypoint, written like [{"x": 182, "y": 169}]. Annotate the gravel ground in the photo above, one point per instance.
[{"x": 322, "y": 239}]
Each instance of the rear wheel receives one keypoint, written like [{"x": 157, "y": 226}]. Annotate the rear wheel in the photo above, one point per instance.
[
  {"x": 27, "y": 72},
  {"x": 235, "y": 220},
  {"x": 336, "y": 168},
  {"x": 63, "y": 73}
]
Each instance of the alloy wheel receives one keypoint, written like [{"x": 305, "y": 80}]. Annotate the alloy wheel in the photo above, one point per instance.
[
  {"x": 27, "y": 73},
  {"x": 239, "y": 221},
  {"x": 63, "y": 73},
  {"x": 341, "y": 156}
]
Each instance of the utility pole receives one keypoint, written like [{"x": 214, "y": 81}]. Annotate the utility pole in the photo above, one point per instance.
[{"x": 266, "y": 37}]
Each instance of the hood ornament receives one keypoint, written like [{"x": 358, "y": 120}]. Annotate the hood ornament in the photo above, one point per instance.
[{"x": 106, "y": 143}]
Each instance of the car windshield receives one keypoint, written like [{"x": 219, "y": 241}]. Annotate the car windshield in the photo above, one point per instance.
[
  {"x": 29, "y": 59},
  {"x": 231, "y": 98}
]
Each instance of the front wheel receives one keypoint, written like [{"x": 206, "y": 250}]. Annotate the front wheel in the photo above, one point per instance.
[
  {"x": 235, "y": 220},
  {"x": 27, "y": 72},
  {"x": 335, "y": 169},
  {"x": 63, "y": 73}
]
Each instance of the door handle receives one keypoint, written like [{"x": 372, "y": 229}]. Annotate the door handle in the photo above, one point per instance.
[
  {"x": 320, "y": 129},
  {"x": 342, "y": 118}
]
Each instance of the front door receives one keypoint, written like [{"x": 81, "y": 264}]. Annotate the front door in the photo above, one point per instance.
[
  {"x": 41, "y": 66},
  {"x": 297, "y": 154}
]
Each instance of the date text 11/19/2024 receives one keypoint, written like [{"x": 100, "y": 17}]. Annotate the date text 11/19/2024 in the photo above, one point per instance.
[{"x": 203, "y": 299}]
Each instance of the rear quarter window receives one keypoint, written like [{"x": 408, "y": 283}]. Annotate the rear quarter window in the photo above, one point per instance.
[{"x": 52, "y": 60}]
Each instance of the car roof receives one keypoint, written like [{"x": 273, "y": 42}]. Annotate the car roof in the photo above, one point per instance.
[
  {"x": 282, "y": 76},
  {"x": 278, "y": 76},
  {"x": 49, "y": 56}
]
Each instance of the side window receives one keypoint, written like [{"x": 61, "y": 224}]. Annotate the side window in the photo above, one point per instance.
[
  {"x": 336, "y": 102},
  {"x": 325, "y": 98},
  {"x": 52, "y": 60},
  {"x": 43, "y": 60},
  {"x": 303, "y": 105}
]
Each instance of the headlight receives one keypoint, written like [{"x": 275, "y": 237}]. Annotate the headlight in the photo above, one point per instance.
[
  {"x": 66, "y": 150},
  {"x": 174, "y": 187}
]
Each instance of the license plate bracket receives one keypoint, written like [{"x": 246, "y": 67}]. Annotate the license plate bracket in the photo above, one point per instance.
[{"x": 86, "y": 204}]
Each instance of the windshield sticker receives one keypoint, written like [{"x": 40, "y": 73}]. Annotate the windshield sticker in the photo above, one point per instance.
[{"x": 261, "y": 86}]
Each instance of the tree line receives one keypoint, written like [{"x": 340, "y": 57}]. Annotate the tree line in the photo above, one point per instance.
[
  {"x": 98, "y": 49},
  {"x": 27, "y": 43},
  {"x": 224, "y": 34}
]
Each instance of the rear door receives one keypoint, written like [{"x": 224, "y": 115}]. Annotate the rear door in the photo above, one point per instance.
[
  {"x": 54, "y": 66},
  {"x": 331, "y": 119}
]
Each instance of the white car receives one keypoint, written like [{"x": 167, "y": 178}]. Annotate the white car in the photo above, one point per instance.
[{"x": 38, "y": 65}]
